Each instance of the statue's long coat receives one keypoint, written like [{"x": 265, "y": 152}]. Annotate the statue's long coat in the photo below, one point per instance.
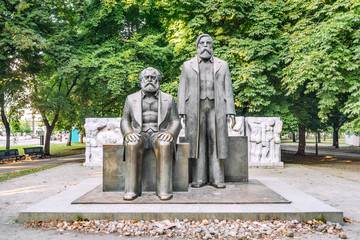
[{"x": 189, "y": 104}]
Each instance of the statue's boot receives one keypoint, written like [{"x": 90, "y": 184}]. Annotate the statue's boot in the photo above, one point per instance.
[
  {"x": 197, "y": 184},
  {"x": 130, "y": 196},
  {"x": 218, "y": 185},
  {"x": 164, "y": 159},
  {"x": 165, "y": 196}
]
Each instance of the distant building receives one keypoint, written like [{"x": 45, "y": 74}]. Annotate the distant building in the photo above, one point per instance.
[
  {"x": 352, "y": 139},
  {"x": 30, "y": 116},
  {"x": 34, "y": 119}
]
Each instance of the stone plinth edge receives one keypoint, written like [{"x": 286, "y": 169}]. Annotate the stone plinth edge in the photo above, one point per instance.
[
  {"x": 266, "y": 165},
  {"x": 303, "y": 207}
]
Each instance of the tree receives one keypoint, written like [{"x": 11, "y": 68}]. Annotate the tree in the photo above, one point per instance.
[
  {"x": 336, "y": 119},
  {"x": 19, "y": 47},
  {"x": 26, "y": 127},
  {"x": 58, "y": 72},
  {"x": 303, "y": 106},
  {"x": 82, "y": 58},
  {"x": 290, "y": 123},
  {"x": 247, "y": 34},
  {"x": 12, "y": 98},
  {"x": 119, "y": 39},
  {"x": 324, "y": 55}
]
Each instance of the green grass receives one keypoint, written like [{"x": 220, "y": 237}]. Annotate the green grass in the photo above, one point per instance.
[
  {"x": 10, "y": 175},
  {"x": 57, "y": 150},
  {"x": 63, "y": 150}
]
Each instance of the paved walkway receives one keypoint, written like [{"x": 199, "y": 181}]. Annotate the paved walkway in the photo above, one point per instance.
[
  {"x": 39, "y": 162},
  {"x": 321, "y": 152},
  {"x": 19, "y": 193}
]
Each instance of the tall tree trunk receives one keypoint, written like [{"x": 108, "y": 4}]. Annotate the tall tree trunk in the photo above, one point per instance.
[
  {"x": 336, "y": 137},
  {"x": 49, "y": 129},
  {"x": 293, "y": 136},
  {"x": 69, "y": 139},
  {"x": 7, "y": 127},
  {"x": 81, "y": 137},
  {"x": 324, "y": 137},
  {"x": 319, "y": 137},
  {"x": 316, "y": 144},
  {"x": 302, "y": 141}
]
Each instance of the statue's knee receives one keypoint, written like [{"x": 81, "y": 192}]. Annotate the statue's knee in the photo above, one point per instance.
[
  {"x": 133, "y": 144},
  {"x": 160, "y": 143}
]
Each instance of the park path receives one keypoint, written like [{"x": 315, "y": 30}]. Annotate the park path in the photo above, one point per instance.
[
  {"x": 322, "y": 152},
  {"x": 40, "y": 162}
]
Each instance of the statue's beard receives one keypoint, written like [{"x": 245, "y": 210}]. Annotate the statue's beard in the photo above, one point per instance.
[
  {"x": 205, "y": 54},
  {"x": 149, "y": 87},
  {"x": 150, "y": 84}
]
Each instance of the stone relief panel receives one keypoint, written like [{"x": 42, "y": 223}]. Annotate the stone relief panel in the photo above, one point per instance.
[
  {"x": 99, "y": 132},
  {"x": 264, "y": 140}
]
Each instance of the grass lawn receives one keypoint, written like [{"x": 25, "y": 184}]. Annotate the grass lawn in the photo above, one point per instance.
[
  {"x": 15, "y": 174},
  {"x": 56, "y": 150}
]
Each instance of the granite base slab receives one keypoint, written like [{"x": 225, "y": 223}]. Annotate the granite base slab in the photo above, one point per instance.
[
  {"x": 266, "y": 164},
  {"x": 303, "y": 207},
  {"x": 252, "y": 192}
]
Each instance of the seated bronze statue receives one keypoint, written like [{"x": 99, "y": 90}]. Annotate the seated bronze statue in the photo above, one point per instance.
[{"x": 149, "y": 121}]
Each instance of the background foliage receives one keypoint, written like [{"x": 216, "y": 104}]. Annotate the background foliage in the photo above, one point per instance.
[{"x": 296, "y": 59}]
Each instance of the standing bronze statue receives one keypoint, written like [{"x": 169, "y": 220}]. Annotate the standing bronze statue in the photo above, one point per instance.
[
  {"x": 205, "y": 103},
  {"x": 149, "y": 121}
]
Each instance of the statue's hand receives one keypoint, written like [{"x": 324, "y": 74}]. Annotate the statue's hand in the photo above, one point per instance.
[
  {"x": 182, "y": 120},
  {"x": 166, "y": 137},
  {"x": 231, "y": 118},
  {"x": 182, "y": 117},
  {"x": 132, "y": 137}
]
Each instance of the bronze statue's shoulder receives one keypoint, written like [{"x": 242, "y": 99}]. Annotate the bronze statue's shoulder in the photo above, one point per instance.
[
  {"x": 134, "y": 95},
  {"x": 220, "y": 60},
  {"x": 165, "y": 95},
  {"x": 191, "y": 61}
]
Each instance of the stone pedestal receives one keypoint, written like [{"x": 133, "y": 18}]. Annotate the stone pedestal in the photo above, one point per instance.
[
  {"x": 236, "y": 165},
  {"x": 114, "y": 169}
]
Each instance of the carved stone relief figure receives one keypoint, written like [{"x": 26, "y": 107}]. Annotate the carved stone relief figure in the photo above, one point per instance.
[
  {"x": 110, "y": 133},
  {"x": 100, "y": 131},
  {"x": 254, "y": 126},
  {"x": 267, "y": 140},
  {"x": 264, "y": 141},
  {"x": 277, "y": 140}
]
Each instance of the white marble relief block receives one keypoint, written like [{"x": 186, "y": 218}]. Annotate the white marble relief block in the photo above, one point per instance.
[
  {"x": 99, "y": 132},
  {"x": 263, "y": 138},
  {"x": 264, "y": 141}
]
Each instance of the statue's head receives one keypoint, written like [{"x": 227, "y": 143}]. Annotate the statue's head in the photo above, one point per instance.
[
  {"x": 270, "y": 122},
  {"x": 150, "y": 79},
  {"x": 204, "y": 46}
]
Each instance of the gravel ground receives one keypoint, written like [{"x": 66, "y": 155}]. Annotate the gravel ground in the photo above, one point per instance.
[{"x": 338, "y": 187}]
